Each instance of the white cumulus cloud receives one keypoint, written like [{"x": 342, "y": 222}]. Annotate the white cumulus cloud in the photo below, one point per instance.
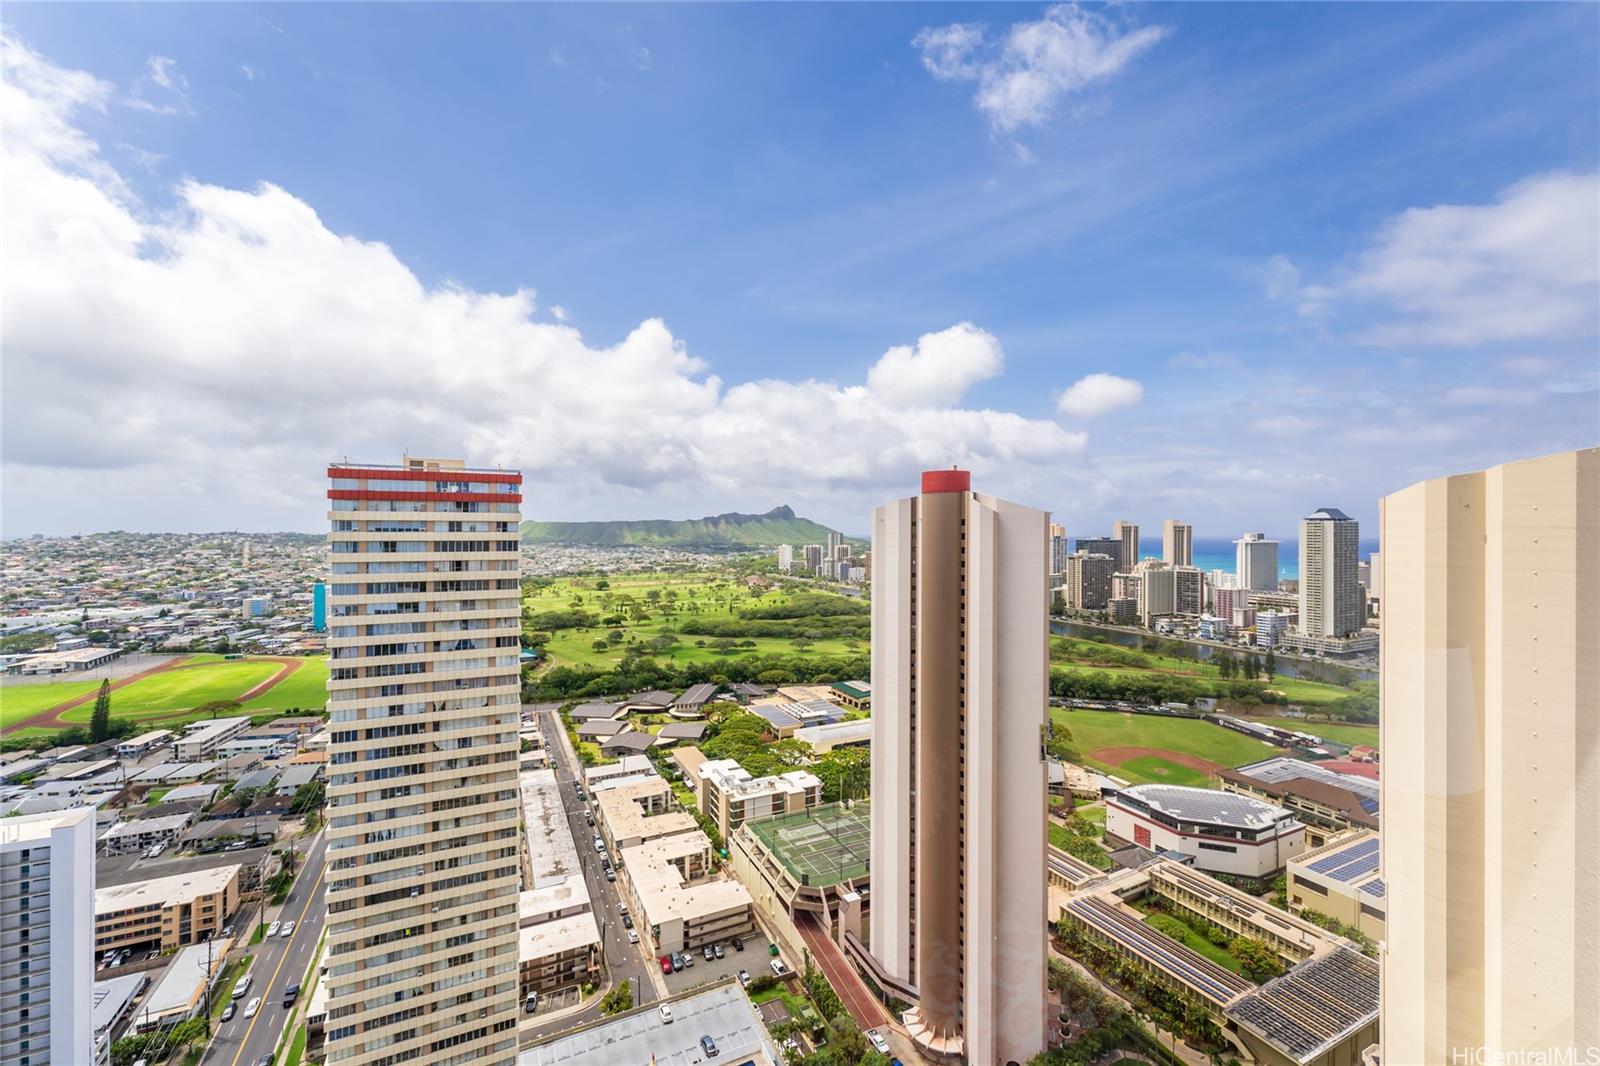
[
  {"x": 1098, "y": 394},
  {"x": 216, "y": 352},
  {"x": 1024, "y": 75}
]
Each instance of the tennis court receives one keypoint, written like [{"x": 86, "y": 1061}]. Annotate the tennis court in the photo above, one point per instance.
[{"x": 823, "y": 846}]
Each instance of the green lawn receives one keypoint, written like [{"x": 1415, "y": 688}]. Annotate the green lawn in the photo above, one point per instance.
[
  {"x": 680, "y": 596},
  {"x": 179, "y": 689},
  {"x": 1074, "y": 655},
  {"x": 20, "y": 701},
  {"x": 1154, "y": 768},
  {"x": 1344, "y": 732},
  {"x": 306, "y": 688},
  {"x": 1195, "y": 942},
  {"x": 1094, "y": 730}
]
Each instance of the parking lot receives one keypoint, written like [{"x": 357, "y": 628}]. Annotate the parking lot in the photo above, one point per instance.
[{"x": 755, "y": 958}]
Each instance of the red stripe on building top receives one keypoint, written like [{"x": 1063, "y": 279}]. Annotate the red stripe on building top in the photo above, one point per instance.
[
  {"x": 424, "y": 497},
  {"x": 361, "y": 473},
  {"x": 946, "y": 481}
]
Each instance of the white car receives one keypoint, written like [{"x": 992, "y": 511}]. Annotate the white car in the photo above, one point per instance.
[
  {"x": 251, "y": 1007},
  {"x": 878, "y": 1042},
  {"x": 633, "y": 936},
  {"x": 273, "y": 929},
  {"x": 288, "y": 930},
  {"x": 666, "y": 1014},
  {"x": 744, "y": 978}
]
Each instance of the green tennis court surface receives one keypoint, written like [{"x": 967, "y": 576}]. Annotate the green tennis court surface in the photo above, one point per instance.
[{"x": 823, "y": 846}]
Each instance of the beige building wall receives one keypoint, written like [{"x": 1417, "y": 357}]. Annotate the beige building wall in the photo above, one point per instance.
[
  {"x": 960, "y": 670},
  {"x": 1491, "y": 704},
  {"x": 1177, "y": 542},
  {"x": 1128, "y": 533}
]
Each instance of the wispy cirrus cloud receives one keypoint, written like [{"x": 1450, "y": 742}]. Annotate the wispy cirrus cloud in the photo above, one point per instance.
[{"x": 162, "y": 90}]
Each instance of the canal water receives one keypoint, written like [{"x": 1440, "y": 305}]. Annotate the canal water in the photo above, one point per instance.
[{"x": 1287, "y": 665}]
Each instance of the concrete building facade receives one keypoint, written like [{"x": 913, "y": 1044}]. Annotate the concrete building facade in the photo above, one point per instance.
[
  {"x": 1330, "y": 592},
  {"x": 424, "y": 620},
  {"x": 1127, "y": 534},
  {"x": 1255, "y": 562},
  {"x": 1490, "y": 687},
  {"x": 959, "y": 681},
  {"x": 46, "y": 938},
  {"x": 1177, "y": 542},
  {"x": 1222, "y": 832},
  {"x": 1088, "y": 581}
]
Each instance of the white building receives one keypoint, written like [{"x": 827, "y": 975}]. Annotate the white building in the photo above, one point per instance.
[
  {"x": 47, "y": 860},
  {"x": 1255, "y": 562},
  {"x": 786, "y": 557},
  {"x": 959, "y": 684},
  {"x": 201, "y": 740},
  {"x": 1224, "y": 832}
]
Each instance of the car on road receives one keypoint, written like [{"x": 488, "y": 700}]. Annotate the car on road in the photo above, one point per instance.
[
  {"x": 273, "y": 929},
  {"x": 251, "y": 1007},
  {"x": 738, "y": 943},
  {"x": 227, "y": 1012},
  {"x": 666, "y": 1014},
  {"x": 876, "y": 1039},
  {"x": 611, "y": 875},
  {"x": 666, "y": 963},
  {"x": 241, "y": 987},
  {"x": 717, "y": 950},
  {"x": 633, "y": 936},
  {"x": 744, "y": 978},
  {"x": 291, "y": 994},
  {"x": 708, "y": 1045},
  {"x": 706, "y": 953},
  {"x": 265, "y": 1060},
  {"x": 599, "y": 845},
  {"x": 288, "y": 930},
  {"x": 627, "y": 921}
]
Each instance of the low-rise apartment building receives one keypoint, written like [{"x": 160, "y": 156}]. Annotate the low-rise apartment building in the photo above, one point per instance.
[
  {"x": 165, "y": 912},
  {"x": 678, "y": 904},
  {"x": 558, "y": 953},
  {"x": 730, "y": 797},
  {"x": 632, "y": 814},
  {"x": 201, "y": 740},
  {"x": 127, "y": 838}
]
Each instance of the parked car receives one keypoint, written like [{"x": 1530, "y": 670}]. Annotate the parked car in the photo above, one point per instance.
[
  {"x": 611, "y": 875},
  {"x": 633, "y": 936},
  {"x": 716, "y": 949},
  {"x": 706, "y": 953},
  {"x": 288, "y": 930},
  {"x": 688, "y": 960},
  {"x": 666, "y": 1014},
  {"x": 251, "y": 1007},
  {"x": 778, "y": 968},
  {"x": 531, "y": 1003},
  {"x": 627, "y": 921},
  {"x": 227, "y": 1012},
  {"x": 274, "y": 929},
  {"x": 744, "y": 978},
  {"x": 599, "y": 845},
  {"x": 708, "y": 1045},
  {"x": 666, "y": 963},
  {"x": 677, "y": 962},
  {"x": 738, "y": 943},
  {"x": 291, "y": 994},
  {"x": 876, "y": 1039}
]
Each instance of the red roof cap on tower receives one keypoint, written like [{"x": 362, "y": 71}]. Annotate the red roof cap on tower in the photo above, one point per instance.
[{"x": 946, "y": 481}]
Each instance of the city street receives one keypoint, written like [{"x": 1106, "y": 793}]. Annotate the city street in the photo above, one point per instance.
[
  {"x": 622, "y": 959},
  {"x": 277, "y": 963}
]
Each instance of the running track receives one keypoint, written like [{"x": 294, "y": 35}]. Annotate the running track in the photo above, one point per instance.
[
  {"x": 50, "y": 717},
  {"x": 862, "y": 1004}
]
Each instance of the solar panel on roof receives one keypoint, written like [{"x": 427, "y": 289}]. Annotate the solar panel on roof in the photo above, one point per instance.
[{"x": 1346, "y": 855}]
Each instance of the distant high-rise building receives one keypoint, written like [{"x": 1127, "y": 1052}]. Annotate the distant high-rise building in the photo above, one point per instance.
[
  {"x": 786, "y": 557},
  {"x": 835, "y": 542},
  {"x": 1490, "y": 684},
  {"x": 1156, "y": 594},
  {"x": 960, "y": 668},
  {"x": 1111, "y": 546},
  {"x": 1177, "y": 542},
  {"x": 1255, "y": 562},
  {"x": 1224, "y": 601},
  {"x": 1058, "y": 549},
  {"x": 1222, "y": 579},
  {"x": 424, "y": 705},
  {"x": 1330, "y": 595},
  {"x": 47, "y": 882},
  {"x": 813, "y": 559},
  {"x": 1375, "y": 564},
  {"x": 1087, "y": 581},
  {"x": 1128, "y": 534}
]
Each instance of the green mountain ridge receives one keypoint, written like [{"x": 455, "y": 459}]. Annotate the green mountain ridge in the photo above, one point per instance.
[{"x": 778, "y": 526}]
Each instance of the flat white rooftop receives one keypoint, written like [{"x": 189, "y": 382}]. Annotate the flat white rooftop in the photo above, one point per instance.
[
  {"x": 557, "y": 935},
  {"x": 185, "y": 978},
  {"x": 638, "y": 1037},
  {"x": 27, "y": 828},
  {"x": 1208, "y": 806},
  {"x": 660, "y": 887},
  {"x": 163, "y": 891}
]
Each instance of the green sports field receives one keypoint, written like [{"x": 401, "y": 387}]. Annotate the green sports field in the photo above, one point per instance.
[
  {"x": 305, "y": 689},
  {"x": 1343, "y": 732},
  {"x": 179, "y": 689},
  {"x": 1159, "y": 745},
  {"x": 20, "y": 701}
]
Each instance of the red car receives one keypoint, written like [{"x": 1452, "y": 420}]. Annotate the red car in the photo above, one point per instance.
[{"x": 666, "y": 964}]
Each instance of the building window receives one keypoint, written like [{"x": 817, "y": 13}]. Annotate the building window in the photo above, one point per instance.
[{"x": 1218, "y": 847}]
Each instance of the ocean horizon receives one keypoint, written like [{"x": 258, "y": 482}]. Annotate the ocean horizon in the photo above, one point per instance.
[{"x": 1216, "y": 553}]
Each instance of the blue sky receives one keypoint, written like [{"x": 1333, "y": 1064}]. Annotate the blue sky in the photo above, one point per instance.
[{"x": 1323, "y": 251}]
